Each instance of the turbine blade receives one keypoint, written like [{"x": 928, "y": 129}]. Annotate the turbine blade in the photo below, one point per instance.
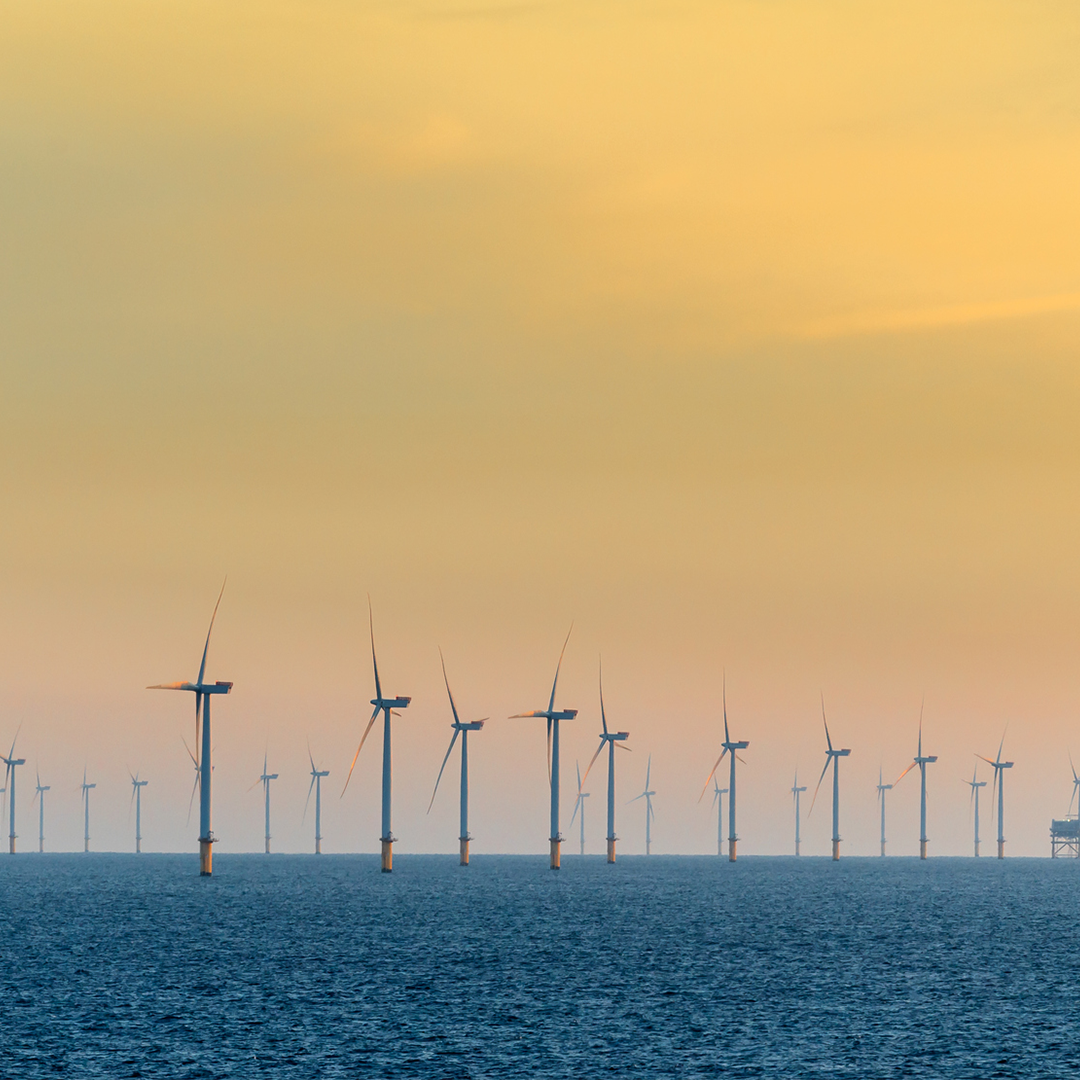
[
  {"x": 202, "y": 666},
  {"x": 603, "y": 717},
  {"x": 920, "y": 723},
  {"x": 311, "y": 786},
  {"x": 1073, "y": 767},
  {"x": 191, "y": 801},
  {"x": 453, "y": 739},
  {"x": 818, "y": 788},
  {"x": 1002, "y": 742},
  {"x": 549, "y": 746},
  {"x": 712, "y": 773},
  {"x": 194, "y": 760},
  {"x": 824, "y": 721},
  {"x": 623, "y": 746},
  {"x": 374, "y": 662},
  {"x": 581, "y": 780},
  {"x": 727, "y": 737},
  {"x": 648, "y": 771},
  {"x": 363, "y": 738},
  {"x": 904, "y": 773},
  {"x": 453, "y": 707},
  {"x": 551, "y": 703}
]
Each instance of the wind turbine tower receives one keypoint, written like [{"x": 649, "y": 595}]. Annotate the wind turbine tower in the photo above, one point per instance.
[
  {"x": 463, "y": 730},
  {"x": 999, "y": 768},
  {"x": 86, "y": 789},
  {"x": 387, "y": 706},
  {"x": 647, "y": 795},
  {"x": 974, "y": 783},
  {"x": 265, "y": 781},
  {"x": 203, "y": 692},
  {"x": 613, "y": 739},
  {"x": 881, "y": 789},
  {"x": 553, "y": 716},
  {"x": 832, "y": 757},
  {"x": 796, "y": 791},
  {"x": 579, "y": 804},
  {"x": 40, "y": 796},
  {"x": 718, "y": 805},
  {"x": 11, "y": 762},
  {"x": 316, "y": 783},
  {"x": 136, "y": 798},
  {"x": 730, "y": 747},
  {"x": 922, "y": 761}
]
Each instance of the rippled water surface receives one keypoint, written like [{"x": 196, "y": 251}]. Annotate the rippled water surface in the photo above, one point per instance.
[{"x": 297, "y": 966}]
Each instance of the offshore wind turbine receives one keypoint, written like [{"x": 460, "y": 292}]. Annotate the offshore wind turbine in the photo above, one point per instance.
[
  {"x": 265, "y": 781},
  {"x": 999, "y": 768},
  {"x": 881, "y": 789},
  {"x": 796, "y": 791},
  {"x": 316, "y": 783},
  {"x": 718, "y": 805},
  {"x": 553, "y": 716},
  {"x": 386, "y": 706},
  {"x": 579, "y": 804},
  {"x": 203, "y": 692},
  {"x": 462, "y": 730},
  {"x": 730, "y": 747},
  {"x": 832, "y": 757},
  {"x": 86, "y": 789},
  {"x": 11, "y": 762},
  {"x": 647, "y": 795},
  {"x": 922, "y": 761},
  {"x": 974, "y": 783},
  {"x": 613, "y": 739},
  {"x": 40, "y": 796},
  {"x": 136, "y": 798}
]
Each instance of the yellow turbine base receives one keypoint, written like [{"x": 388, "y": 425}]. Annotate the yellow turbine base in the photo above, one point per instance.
[
  {"x": 732, "y": 843},
  {"x": 464, "y": 851},
  {"x": 922, "y": 849},
  {"x": 387, "y": 856},
  {"x": 1001, "y": 849},
  {"x": 836, "y": 851},
  {"x": 206, "y": 858},
  {"x": 611, "y": 850},
  {"x": 556, "y": 849},
  {"x": 318, "y": 845}
]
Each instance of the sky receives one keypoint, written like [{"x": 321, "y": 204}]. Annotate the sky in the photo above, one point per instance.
[{"x": 743, "y": 336}]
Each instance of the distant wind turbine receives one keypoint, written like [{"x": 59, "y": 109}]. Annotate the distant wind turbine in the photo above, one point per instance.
[
  {"x": 86, "y": 789},
  {"x": 553, "y": 716},
  {"x": 613, "y": 739},
  {"x": 1076, "y": 787},
  {"x": 881, "y": 789},
  {"x": 11, "y": 762},
  {"x": 796, "y": 791},
  {"x": 922, "y": 761},
  {"x": 462, "y": 730},
  {"x": 40, "y": 796},
  {"x": 974, "y": 783},
  {"x": 265, "y": 781},
  {"x": 999, "y": 768},
  {"x": 729, "y": 747},
  {"x": 386, "y": 706},
  {"x": 579, "y": 804},
  {"x": 647, "y": 795},
  {"x": 832, "y": 757},
  {"x": 316, "y": 783},
  {"x": 136, "y": 797},
  {"x": 718, "y": 805},
  {"x": 203, "y": 691}
]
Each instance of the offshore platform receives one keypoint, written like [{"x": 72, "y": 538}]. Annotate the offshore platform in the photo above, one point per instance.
[{"x": 1065, "y": 838}]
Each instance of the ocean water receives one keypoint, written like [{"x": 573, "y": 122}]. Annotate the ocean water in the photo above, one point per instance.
[{"x": 297, "y": 966}]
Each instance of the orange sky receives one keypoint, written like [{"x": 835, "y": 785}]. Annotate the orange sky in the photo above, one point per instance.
[{"x": 744, "y": 335}]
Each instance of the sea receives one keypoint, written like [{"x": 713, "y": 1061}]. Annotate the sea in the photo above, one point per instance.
[{"x": 321, "y": 966}]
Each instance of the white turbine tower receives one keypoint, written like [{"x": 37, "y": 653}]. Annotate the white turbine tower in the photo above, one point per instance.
[
  {"x": 922, "y": 761},
  {"x": 386, "y": 706},
  {"x": 11, "y": 762},
  {"x": 40, "y": 796},
  {"x": 832, "y": 757},
  {"x": 579, "y": 804},
  {"x": 999, "y": 768},
  {"x": 975, "y": 783},
  {"x": 796, "y": 791},
  {"x": 647, "y": 795},
  {"x": 463, "y": 730},
  {"x": 86, "y": 789},
  {"x": 553, "y": 717},
  {"x": 612, "y": 739},
  {"x": 729, "y": 747},
  {"x": 718, "y": 805},
  {"x": 316, "y": 783},
  {"x": 136, "y": 797},
  {"x": 203, "y": 691},
  {"x": 881, "y": 789},
  {"x": 265, "y": 781}
]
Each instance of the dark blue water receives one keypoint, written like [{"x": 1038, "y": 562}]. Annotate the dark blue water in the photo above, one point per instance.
[{"x": 297, "y": 966}]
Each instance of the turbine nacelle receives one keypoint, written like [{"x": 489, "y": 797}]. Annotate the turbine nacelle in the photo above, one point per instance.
[
  {"x": 837, "y": 753},
  {"x": 391, "y": 703},
  {"x": 925, "y": 760},
  {"x": 469, "y": 725},
  {"x": 731, "y": 747}
]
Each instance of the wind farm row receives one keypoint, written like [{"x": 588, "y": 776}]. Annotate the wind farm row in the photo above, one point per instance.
[{"x": 389, "y": 707}]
